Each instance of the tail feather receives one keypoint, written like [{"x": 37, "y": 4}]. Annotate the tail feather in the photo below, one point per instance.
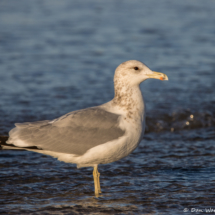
[
  {"x": 21, "y": 135},
  {"x": 5, "y": 145}
]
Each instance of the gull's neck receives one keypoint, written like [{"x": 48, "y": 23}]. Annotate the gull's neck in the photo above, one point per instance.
[{"x": 129, "y": 99}]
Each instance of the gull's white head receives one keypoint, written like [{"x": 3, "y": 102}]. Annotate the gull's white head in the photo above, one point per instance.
[{"x": 134, "y": 72}]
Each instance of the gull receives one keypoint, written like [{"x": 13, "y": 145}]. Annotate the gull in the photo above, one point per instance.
[{"x": 95, "y": 135}]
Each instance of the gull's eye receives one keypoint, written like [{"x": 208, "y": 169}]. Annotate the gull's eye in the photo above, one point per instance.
[{"x": 136, "y": 68}]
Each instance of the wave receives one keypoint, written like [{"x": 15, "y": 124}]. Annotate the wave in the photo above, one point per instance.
[{"x": 181, "y": 120}]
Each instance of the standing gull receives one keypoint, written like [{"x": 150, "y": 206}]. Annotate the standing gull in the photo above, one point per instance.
[{"x": 95, "y": 135}]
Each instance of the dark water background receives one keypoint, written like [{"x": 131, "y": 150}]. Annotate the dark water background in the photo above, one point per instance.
[{"x": 59, "y": 56}]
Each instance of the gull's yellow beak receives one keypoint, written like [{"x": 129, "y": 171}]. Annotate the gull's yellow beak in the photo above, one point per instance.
[{"x": 158, "y": 75}]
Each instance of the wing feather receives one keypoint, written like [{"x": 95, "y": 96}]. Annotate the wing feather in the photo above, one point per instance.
[{"x": 73, "y": 133}]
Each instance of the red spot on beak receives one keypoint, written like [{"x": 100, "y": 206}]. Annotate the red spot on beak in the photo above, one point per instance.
[{"x": 161, "y": 78}]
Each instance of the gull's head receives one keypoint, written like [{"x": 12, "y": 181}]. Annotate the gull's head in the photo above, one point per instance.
[{"x": 134, "y": 72}]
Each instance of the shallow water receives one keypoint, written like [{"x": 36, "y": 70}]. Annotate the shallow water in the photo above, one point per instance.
[{"x": 59, "y": 56}]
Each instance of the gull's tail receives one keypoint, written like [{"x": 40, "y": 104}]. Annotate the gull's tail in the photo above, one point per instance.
[
  {"x": 21, "y": 130},
  {"x": 4, "y": 145}
]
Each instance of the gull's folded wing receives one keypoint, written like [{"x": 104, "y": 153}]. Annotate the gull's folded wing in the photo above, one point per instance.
[{"x": 73, "y": 133}]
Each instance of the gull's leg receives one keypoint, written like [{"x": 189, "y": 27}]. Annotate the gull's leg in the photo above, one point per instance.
[
  {"x": 98, "y": 175},
  {"x": 95, "y": 177}
]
